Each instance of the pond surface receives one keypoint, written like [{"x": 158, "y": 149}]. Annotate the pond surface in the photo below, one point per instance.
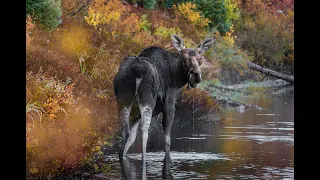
[{"x": 247, "y": 144}]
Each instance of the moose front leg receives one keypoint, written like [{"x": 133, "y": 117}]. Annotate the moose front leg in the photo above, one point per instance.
[{"x": 168, "y": 117}]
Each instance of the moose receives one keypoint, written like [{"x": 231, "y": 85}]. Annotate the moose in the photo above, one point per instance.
[{"x": 149, "y": 84}]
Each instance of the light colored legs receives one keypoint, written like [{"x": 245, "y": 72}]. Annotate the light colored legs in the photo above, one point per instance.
[
  {"x": 168, "y": 143},
  {"x": 132, "y": 137},
  {"x": 146, "y": 114},
  {"x": 124, "y": 118}
]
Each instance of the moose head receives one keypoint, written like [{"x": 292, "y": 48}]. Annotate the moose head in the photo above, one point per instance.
[{"x": 192, "y": 58}]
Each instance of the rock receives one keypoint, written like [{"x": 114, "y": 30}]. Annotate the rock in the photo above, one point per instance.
[{"x": 241, "y": 108}]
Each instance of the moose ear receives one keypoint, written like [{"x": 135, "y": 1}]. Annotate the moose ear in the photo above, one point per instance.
[
  {"x": 177, "y": 42},
  {"x": 205, "y": 45}
]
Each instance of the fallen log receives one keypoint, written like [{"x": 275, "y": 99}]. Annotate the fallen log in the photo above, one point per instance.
[{"x": 269, "y": 72}]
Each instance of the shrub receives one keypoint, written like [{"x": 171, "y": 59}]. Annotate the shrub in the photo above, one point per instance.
[
  {"x": 144, "y": 24},
  {"x": 216, "y": 11},
  {"x": 149, "y": 4},
  {"x": 166, "y": 32},
  {"x": 189, "y": 12},
  {"x": 52, "y": 63},
  {"x": 99, "y": 13},
  {"x": 144, "y": 38},
  {"x": 188, "y": 19},
  {"x": 46, "y": 12},
  {"x": 113, "y": 18},
  {"x": 64, "y": 134},
  {"x": 232, "y": 60},
  {"x": 266, "y": 31}
]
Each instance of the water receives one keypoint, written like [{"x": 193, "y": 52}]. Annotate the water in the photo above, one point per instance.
[{"x": 247, "y": 144}]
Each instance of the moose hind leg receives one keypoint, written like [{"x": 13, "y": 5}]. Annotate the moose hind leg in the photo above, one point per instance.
[
  {"x": 146, "y": 114},
  {"x": 132, "y": 136},
  {"x": 124, "y": 118}
]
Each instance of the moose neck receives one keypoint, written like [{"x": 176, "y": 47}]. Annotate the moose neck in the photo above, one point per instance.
[{"x": 178, "y": 76}]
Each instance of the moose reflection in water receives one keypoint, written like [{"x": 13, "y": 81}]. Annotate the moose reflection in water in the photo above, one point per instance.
[
  {"x": 129, "y": 170},
  {"x": 149, "y": 84}
]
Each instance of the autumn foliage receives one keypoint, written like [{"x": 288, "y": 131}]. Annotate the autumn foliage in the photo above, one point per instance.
[
  {"x": 71, "y": 111},
  {"x": 29, "y": 27},
  {"x": 267, "y": 32}
]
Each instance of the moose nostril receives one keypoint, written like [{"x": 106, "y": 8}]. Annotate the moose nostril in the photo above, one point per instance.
[{"x": 197, "y": 77}]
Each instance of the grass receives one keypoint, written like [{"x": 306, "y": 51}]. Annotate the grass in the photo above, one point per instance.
[{"x": 34, "y": 109}]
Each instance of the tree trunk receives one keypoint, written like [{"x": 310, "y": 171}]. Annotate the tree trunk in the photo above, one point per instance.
[{"x": 269, "y": 72}]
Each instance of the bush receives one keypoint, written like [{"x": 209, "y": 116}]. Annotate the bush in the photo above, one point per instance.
[
  {"x": 166, "y": 32},
  {"x": 149, "y": 4},
  {"x": 62, "y": 130},
  {"x": 113, "y": 18},
  {"x": 222, "y": 13},
  {"x": 189, "y": 12},
  {"x": 49, "y": 139},
  {"x": 46, "y": 12},
  {"x": 52, "y": 63},
  {"x": 266, "y": 31},
  {"x": 232, "y": 60},
  {"x": 193, "y": 23}
]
